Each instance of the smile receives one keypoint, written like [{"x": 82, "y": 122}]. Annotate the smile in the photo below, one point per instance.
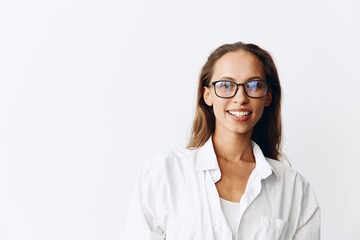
[{"x": 239, "y": 113}]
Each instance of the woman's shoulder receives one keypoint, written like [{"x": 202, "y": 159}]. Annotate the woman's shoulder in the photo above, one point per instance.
[
  {"x": 285, "y": 172},
  {"x": 170, "y": 160},
  {"x": 292, "y": 182}
]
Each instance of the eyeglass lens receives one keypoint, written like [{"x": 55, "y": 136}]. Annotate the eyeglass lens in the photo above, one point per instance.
[{"x": 252, "y": 88}]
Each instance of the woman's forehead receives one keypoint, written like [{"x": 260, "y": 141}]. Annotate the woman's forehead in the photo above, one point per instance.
[{"x": 239, "y": 64}]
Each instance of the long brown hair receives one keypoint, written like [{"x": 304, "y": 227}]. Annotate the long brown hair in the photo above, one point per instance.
[{"x": 267, "y": 132}]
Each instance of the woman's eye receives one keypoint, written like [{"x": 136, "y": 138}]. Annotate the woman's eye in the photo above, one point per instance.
[
  {"x": 226, "y": 85},
  {"x": 253, "y": 85}
]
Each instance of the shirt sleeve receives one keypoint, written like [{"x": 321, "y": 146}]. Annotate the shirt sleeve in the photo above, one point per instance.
[
  {"x": 141, "y": 222},
  {"x": 309, "y": 225}
]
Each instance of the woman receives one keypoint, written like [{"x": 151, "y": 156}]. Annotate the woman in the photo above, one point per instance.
[{"x": 228, "y": 184}]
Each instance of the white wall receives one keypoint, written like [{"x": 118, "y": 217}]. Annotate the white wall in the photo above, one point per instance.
[{"x": 72, "y": 140}]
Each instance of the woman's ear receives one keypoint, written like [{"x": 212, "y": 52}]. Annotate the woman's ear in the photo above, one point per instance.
[
  {"x": 207, "y": 97},
  {"x": 268, "y": 99}
]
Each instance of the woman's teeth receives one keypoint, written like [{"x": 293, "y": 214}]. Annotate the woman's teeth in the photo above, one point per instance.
[{"x": 239, "y": 113}]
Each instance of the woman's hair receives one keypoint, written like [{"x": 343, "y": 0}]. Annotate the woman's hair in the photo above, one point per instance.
[{"x": 267, "y": 132}]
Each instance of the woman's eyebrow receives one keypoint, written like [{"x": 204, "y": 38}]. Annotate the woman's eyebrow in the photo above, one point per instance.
[
  {"x": 227, "y": 78},
  {"x": 248, "y": 79}
]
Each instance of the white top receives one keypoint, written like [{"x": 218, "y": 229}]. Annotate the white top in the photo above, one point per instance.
[
  {"x": 231, "y": 211},
  {"x": 175, "y": 198}
]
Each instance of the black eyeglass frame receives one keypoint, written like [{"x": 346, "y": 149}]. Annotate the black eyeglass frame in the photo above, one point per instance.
[{"x": 240, "y": 84}]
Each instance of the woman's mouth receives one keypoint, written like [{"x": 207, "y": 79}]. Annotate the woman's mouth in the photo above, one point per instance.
[{"x": 239, "y": 114}]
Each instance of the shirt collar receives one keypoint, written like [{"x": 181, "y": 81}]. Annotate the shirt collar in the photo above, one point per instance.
[
  {"x": 263, "y": 167},
  {"x": 206, "y": 157},
  {"x": 206, "y": 160}
]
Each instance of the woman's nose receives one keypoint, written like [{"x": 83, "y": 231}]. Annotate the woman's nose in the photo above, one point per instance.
[{"x": 240, "y": 95}]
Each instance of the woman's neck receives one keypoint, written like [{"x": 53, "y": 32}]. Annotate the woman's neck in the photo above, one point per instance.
[{"x": 233, "y": 147}]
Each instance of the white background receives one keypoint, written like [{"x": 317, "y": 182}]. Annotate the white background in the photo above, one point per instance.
[{"x": 72, "y": 137}]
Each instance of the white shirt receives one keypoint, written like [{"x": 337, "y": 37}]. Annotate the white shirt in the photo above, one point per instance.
[
  {"x": 231, "y": 212},
  {"x": 176, "y": 199}
]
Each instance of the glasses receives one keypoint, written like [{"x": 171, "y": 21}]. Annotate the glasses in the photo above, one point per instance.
[{"x": 228, "y": 89}]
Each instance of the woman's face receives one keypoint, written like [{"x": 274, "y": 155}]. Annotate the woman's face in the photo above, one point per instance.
[{"x": 240, "y": 113}]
